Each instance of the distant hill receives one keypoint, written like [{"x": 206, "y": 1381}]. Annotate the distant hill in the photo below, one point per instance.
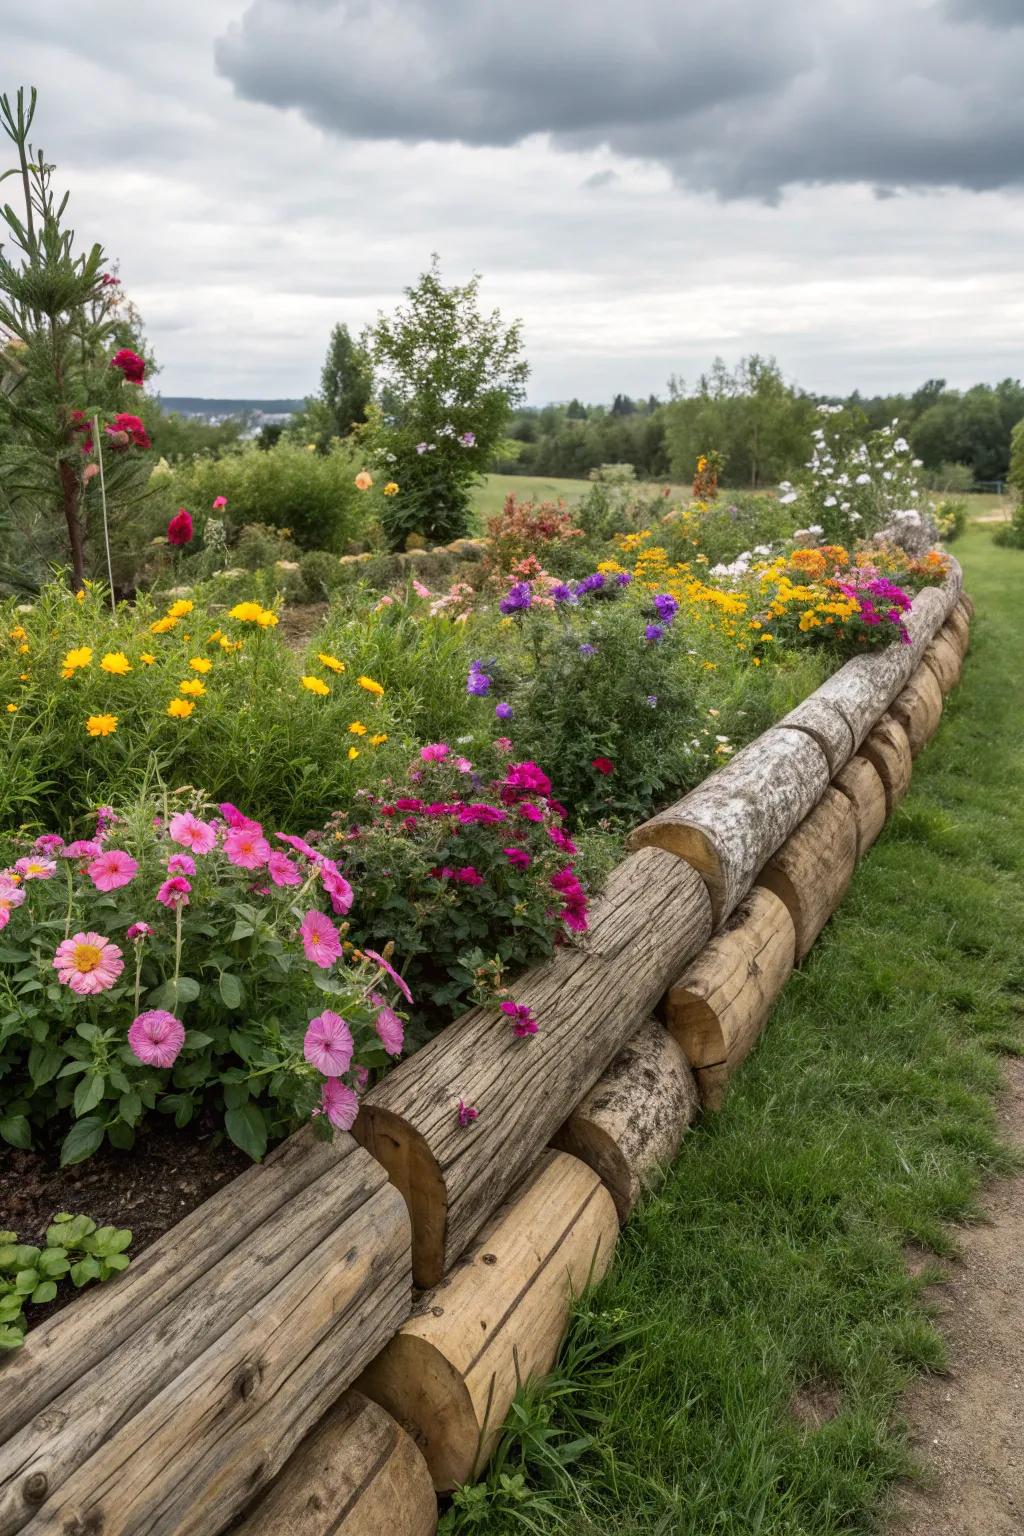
[{"x": 199, "y": 405}]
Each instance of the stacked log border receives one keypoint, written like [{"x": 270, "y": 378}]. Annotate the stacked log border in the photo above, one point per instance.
[{"x": 272, "y": 1334}]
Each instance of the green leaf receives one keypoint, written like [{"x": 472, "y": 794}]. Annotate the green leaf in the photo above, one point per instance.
[
  {"x": 69, "y": 1230},
  {"x": 44, "y": 1292},
  {"x": 230, "y": 990},
  {"x": 44, "y": 1062},
  {"x": 89, "y": 1093},
  {"x": 121, "y": 1136},
  {"x": 241, "y": 930},
  {"x": 53, "y": 1262},
  {"x": 195, "y": 1039},
  {"x": 85, "y": 1270},
  {"x": 236, "y": 1095},
  {"x": 188, "y": 989},
  {"x": 129, "y": 1107},
  {"x": 116, "y": 1261},
  {"x": 83, "y": 1139},
  {"x": 16, "y": 1130},
  {"x": 11, "y": 1338},
  {"x": 108, "y": 1240},
  {"x": 26, "y": 1280},
  {"x": 248, "y": 1130}
]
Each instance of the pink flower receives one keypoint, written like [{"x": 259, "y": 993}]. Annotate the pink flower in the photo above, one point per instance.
[
  {"x": 11, "y": 895},
  {"x": 467, "y": 1114},
  {"x": 246, "y": 849},
  {"x": 339, "y": 1104},
  {"x": 234, "y": 818},
  {"x": 560, "y": 840},
  {"x": 523, "y": 1021},
  {"x": 48, "y": 843},
  {"x": 131, "y": 365},
  {"x": 436, "y": 752},
  {"x": 174, "y": 892},
  {"x": 283, "y": 870},
  {"x": 503, "y": 743},
  {"x": 88, "y": 963},
  {"x": 385, "y": 965},
  {"x": 463, "y": 764},
  {"x": 190, "y": 832},
  {"x": 300, "y": 845},
  {"x": 35, "y": 868},
  {"x": 361, "y": 1076},
  {"x": 156, "y": 1037},
  {"x": 518, "y": 857},
  {"x": 112, "y": 869},
  {"x": 420, "y": 589},
  {"x": 139, "y": 931},
  {"x": 328, "y": 1044},
  {"x": 84, "y": 848},
  {"x": 179, "y": 529},
  {"x": 181, "y": 864},
  {"x": 320, "y": 939},
  {"x": 482, "y": 813},
  {"x": 527, "y": 777},
  {"x": 467, "y": 875},
  {"x": 336, "y": 886},
  {"x": 388, "y": 1026},
  {"x": 530, "y": 811},
  {"x": 219, "y": 502}
]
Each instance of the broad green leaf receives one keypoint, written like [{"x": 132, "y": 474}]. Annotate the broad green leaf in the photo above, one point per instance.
[
  {"x": 45, "y": 1291},
  {"x": 85, "y": 1270},
  {"x": 89, "y": 1093},
  {"x": 16, "y": 1130},
  {"x": 248, "y": 1130},
  {"x": 83, "y": 1139},
  {"x": 230, "y": 990}
]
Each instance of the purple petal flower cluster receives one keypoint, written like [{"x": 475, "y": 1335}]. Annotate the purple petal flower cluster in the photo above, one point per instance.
[
  {"x": 478, "y": 684},
  {"x": 667, "y": 607},
  {"x": 588, "y": 650},
  {"x": 517, "y": 599},
  {"x": 503, "y": 711},
  {"x": 562, "y": 593},
  {"x": 654, "y": 632}
]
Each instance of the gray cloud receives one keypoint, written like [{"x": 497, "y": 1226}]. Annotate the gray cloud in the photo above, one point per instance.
[{"x": 727, "y": 102}]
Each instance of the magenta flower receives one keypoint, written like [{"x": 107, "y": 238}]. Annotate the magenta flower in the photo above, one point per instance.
[
  {"x": 435, "y": 752},
  {"x": 131, "y": 365},
  {"x": 283, "y": 870},
  {"x": 320, "y": 939},
  {"x": 467, "y": 1113},
  {"x": 523, "y": 1021},
  {"x": 336, "y": 886},
  {"x": 339, "y": 1104},
  {"x": 479, "y": 812},
  {"x": 234, "y": 818},
  {"x": 246, "y": 848},
  {"x": 528, "y": 778},
  {"x": 139, "y": 931},
  {"x": 88, "y": 963},
  {"x": 84, "y": 848},
  {"x": 219, "y": 502},
  {"x": 467, "y": 875},
  {"x": 385, "y": 965},
  {"x": 530, "y": 811},
  {"x": 35, "y": 868},
  {"x": 49, "y": 842},
  {"x": 328, "y": 1044},
  {"x": 300, "y": 845},
  {"x": 517, "y": 857},
  {"x": 113, "y": 869},
  {"x": 174, "y": 892},
  {"x": 11, "y": 895},
  {"x": 181, "y": 864},
  {"x": 190, "y": 832},
  {"x": 388, "y": 1026},
  {"x": 156, "y": 1037}
]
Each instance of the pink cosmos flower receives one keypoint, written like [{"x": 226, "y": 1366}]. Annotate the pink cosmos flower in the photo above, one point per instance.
[
  {"x": 300, "y": 845},
  {"x": 523, "y": 1021},
  {"x": 84, "y": 848},
  {"x": 283, "y": 870},
  {"x": 339, "y": 1104},
  {"x": 436, "y": 752},
  {"x": 320, "y": 939},
  {"x": 219, "y": 502},
  {"x": 156, "y": 1037},
  {"x": 139, "y": 931},
  {"x": 420, "y": 589},
  {"x": 246, "y": 848},
  {"x": 328, "y": 1045},
  {"x": 35, "y": 868},
  {"x": 467, "y": 1113},
  {"x": 385, "y": 965},
  {"x": 190, "y": 832},
  {"x": 113, "y": 869},
  {"x": 49, "y": 842},
  {"x": 174, "y": 892},
  {"x": 336, "y": 886},
  {"x": 517, "y": 857},
  {"x": 388, "y": 1026},
  {"x": 181, "y": 864},
  {"x": 88, "y": 963}
]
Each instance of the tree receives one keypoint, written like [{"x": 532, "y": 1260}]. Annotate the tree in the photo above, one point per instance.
[
  {"x": 346, "y": 389},
  {"x": 448, "y": 376}
]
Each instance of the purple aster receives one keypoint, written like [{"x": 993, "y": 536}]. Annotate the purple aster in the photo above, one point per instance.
[
  {"x": 654, "y": 632},
  {"x": 478, "y": 684},
  {"x": 503, "y": 711},
  {"x": 592, "y": 583},
  {"x": 468, "y": 439},
  {"x": 667, "y": 607},
  {"x": 623, "y": 578},
  {"x": 563, "y": 593},
  {"x": 588, "y": 650},
  {"x": 517, "y": 599}
]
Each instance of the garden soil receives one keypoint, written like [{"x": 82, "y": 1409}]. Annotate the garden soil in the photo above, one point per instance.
[{"x": 968, "y": 1426}]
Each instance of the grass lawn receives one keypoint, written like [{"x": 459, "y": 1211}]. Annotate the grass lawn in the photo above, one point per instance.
[
  {"x": 768, "y": 1275},
  {"x": 489, "y": 495}
]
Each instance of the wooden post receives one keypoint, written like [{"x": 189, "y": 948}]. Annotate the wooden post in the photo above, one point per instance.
[
  {"x": 812, "y": 869},
  {"x": 919, "y": 708},
  {"x": 945, "y": 661},
  {"x": 888, "y": 751},
  {"x": 587, "y": 1004},
  {"x": 958, "y": 628},
  {"x": 719, "y": 1006},
  {"x": 357, "y": 1474},
  {"x": 630, "y": 1124},
  {"x": 449, "y": 1375},
  {"x": 865, "y": 791}
]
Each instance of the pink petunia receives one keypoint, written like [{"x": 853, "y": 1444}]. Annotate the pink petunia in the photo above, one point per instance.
[
  {"x": 88, "y": 963},
  {"x": 517, "y": 857},
  {"x": 283, "y": 870},
  {"x": 36, "y": 868},
  {"x": 84, "y": 848},
  {"x": 246, "y": 848},
  {"x": 339, "y": 1104},
  {"x": 320, "y": 939},
  {"x": 328, "y": 1044},
  {"x": 530, "y": 811},
  {"x": 388, "y": 1026},
  {"x": 174, "y": 892},
  {"x": 181, "y": 864},
  {"x": 113, "y": 869},
  {"x": 467, "y": 1113},
  {"x": 300, "y": 845},
  {"x": 523, "y": 1021},
  {"x": 436, "y": 752},
  {"x": 385, "y": 965},
  {"x": 138, "y": 931},
  {"x": 190, "y": 832},
  {"x": 236, "y": 820},
  {"x": 49, "y": 842},
  {"x": 156, "y": 1038}
]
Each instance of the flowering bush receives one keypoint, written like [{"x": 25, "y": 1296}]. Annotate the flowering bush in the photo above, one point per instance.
[
  {"x": 853, "y": 488},
  {"x": 528, "y": 529},
  {"x": 180, "y": 955}
]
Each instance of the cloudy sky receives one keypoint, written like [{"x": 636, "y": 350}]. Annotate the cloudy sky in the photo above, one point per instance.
[{"x": 645, "y": 184}]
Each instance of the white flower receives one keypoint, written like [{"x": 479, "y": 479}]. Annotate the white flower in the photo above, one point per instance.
[
  {"x": 855, "y": 517},
  {"x": 917, "y": 463},
  {"x": 789, "y": 496},
  {"x": 901, "y": 445},
  {"x": 830, "y": 501},
  {"x": 863, "y": 480}
]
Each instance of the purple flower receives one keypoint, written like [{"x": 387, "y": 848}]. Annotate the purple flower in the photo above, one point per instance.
[
  {"x": 517, "y": 599},
  {"x": 652, "y": 699},
  {"x": 478, "y": 683},
  {"x": 503, "y": 711},
  {"x": 592, "y": 583},
  {"x": 421, "y": 448},
  {"x": 588, "y": 650},
  {"x": 467, "y": 1113},
  {"x": 666, "y": 606},
  {"x": 623, "y": 578},
  {"x": 523, "y": 1021},
  {"x": 468, "y": 439},
  {"x": 654, "y": 632},
  {"x": 563, "y": 593}
]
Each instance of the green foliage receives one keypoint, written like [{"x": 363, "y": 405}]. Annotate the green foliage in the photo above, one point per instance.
[
  {"x": 727, "y": 527},
  {"x": 321, "y": 574},
  {"x": 1012, "y": 535},
  {"x": 74, "y": 1248},
  {"x": 950, "y": 517},
  {"x": 616, "y": 503},
  {"x": 177, "y": 438},
  {"x": 749, "y": 415},
  {"x": 346, "y": 388}
]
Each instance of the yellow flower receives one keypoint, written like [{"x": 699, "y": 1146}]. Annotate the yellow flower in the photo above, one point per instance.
[
  {"x": 353, "y": 752},
  {"x": 218, "y": 634},
  {"x": 200, "y": 664},
  {"x": 147, "y": 658},
  {"x": 247, "y": 613},
  {"x": 267, "y": 620},
  {"x": 80, "y": 595},
  {"x": 179, "y": 609},
  {"x": 23, "y": 650},
  {"x": 229, "y": 645},
  {"x": 101, "y": 725},
  {"x": 370, "y": 686},
  {"x": 357, "y": 728},
  {"x": 315, "y": 685},
  {"x": 326, "y": 660},
  {"x": 163, "y": 626},
  {"x": 180, "y": 709},
  {"x": 193, "y": 687},
  {"x": 363, "y": 480},
  {"x": 12, "y": 709},
  {"x": 22, "y": 677},
  {"x": 116, "y": 662},
  {"x": 391, "y": 489},
  {"x": 77, "y": 658},
  {"x": 17, "y": 633},
  {"x": 379, "y": 740}
]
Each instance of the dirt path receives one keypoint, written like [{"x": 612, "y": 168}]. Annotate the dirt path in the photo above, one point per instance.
[{"x": 968, "y": 1427}]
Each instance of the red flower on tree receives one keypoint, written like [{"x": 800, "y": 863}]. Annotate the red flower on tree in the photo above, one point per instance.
[
  {"x": 179, "y": 529},
  {"x": 604, "y": 765},
  {"x": 131, "y": 365},
  {"x": 125, "y": 429}
]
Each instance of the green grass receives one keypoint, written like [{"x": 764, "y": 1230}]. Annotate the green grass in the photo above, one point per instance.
[
  {"x": 489, "y": 495},
  {"x": 772, "y": 1259}
]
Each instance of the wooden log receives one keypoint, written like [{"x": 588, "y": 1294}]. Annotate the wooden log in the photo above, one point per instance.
[
  {"x": 860, "y": 783},
  {"x": 923, "y": 623},
  {"x": 958, "y": 628},
  {"x": 888, "y": 751},
  {"x": 730, "y": 825},
  {"x": 945, "y": 661},
  {"x": 825, "y": 722},
  {"x": 719, "y": 1006},
  {"x": 967, "y": 606},
  {"x": 357, "y": 1474},
  {"x": 587, "y": 1004},
  {"x": 630, "y": 1124},
  {"x": 812, "y": 869},
  {"x": 919, "y": 708},
  {"x": 449, "y": 1375},
  {"x": 185, "y": 1462},
  {"x": 61, "y": 1350}
]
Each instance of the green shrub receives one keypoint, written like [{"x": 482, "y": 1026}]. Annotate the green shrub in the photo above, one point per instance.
[
  {"x": 616, "y": 503},
  {"x": 950, "y": 518},
  {"x": 74, "y": 1249},
  {"x": 723, "y": 529},
  {"x": 321, "y": 574}
]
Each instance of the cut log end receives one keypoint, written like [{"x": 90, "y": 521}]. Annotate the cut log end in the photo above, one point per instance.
[
  {"x": 888, "y": 751},
  {"x": 688, "y": 843},
  {"x": 412, "y": 1168},
  {"x": 860, "y": 783},
  {"x": 812, "y": 869},
  {"x": 919, "y": 709}
]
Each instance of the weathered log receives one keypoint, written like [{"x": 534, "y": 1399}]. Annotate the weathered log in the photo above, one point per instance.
[
  {"x": 919, "y": 708},
  {"x": 587, "y": 1004},
  {"x": 449, "y": 1375},
  {"x": 863, "y": 689},
  {"x": 865, "y": 791},
  {"x": 719, "y": 1006},
  {"x": 61, "y": 1350},
  {"x": 631, "y": 1122},
  {"x": 945, "y": 661},
  {"x": 825, "y": 722},
  {"x": 812, "y": 869},
  {"x": 730, "y": 825},
  {"x": 967, "y": 606},
  {"x": 357, "y": 1474},
  {"x": 923, "y": 623},
  {"x": 188, "y": 1459},
  {"x": 958, "y": 628},
  {"x": 888, "y": 751}
]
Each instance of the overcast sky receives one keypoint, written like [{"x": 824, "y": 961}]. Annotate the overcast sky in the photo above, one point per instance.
[{"x": 647, "y": 184}]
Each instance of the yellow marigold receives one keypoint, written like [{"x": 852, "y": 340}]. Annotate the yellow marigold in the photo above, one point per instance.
[
  {"x": 315, "y": 685},
  {"x": 81, "y": 657},
  {"x": 180, "y": 609},
  {"x": 353, "y": 752},
  {"x": 116, "y": 662},
  {"x": 332, "y": 662},
  {"x": 267, "y": 619},
  {"x": 12, "y": 709},
  {"x": 101, "y": 725},
  {"x": 200, "y": 664},
  {"x": 391, "y": 489},
  {"x": 247, "y": 613},
  {"x": 180, "y": 709},
  {"x": 357, "y": 728},
  {"x": 370, "y": 686},
  {"x": 147, "y": 658},
  {"x": 163, "y": 626},
  {"x": 17, "y": 633},
  {"x": 193, "y": 687},
  {"x": 379, "y": 740},
  {"x": 80, "y": 595},
  {"x": 229, "y": 645},
  {"x": 364, "y": 480},
  {"x": 22, "y": 677}
]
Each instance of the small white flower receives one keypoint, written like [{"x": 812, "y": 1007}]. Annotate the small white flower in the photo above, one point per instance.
[
  {"x": 863, "y": 480},
  {"x": 789, "y": 496},
  {"x": 830, "y": 501},
  {"x": 917, "y": 463}
]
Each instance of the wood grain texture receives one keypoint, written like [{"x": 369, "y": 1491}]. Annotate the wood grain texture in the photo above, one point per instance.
[
  {"x": 653, "y": 918},
  {"x": 860, "y": 783},
  {"x": 958, "y": 628},
  {"x": 357, "y": 1474},
  {"x": 824, "y": 721},
  {"x": 198, "y": 1451},
  {"x": 888, "y": 751},
  {"x": 730, "y": 825},
  {"x": 812, "y": 869},
  {"x": 919, "y": 708},
  {"x": 451, "y": 1371},
  {"x": 630, "y": 1124},
  {"x": 966, "y": 605},
  {"x": 944, "y": 658}
]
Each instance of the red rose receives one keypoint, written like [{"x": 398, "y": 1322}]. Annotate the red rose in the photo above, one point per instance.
[
  {"x": 603, "y": 765},
  {"x": 131, "y": 365},
  {"x": 132, "y": 426},
  {"x": 179, "y": 529}
]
